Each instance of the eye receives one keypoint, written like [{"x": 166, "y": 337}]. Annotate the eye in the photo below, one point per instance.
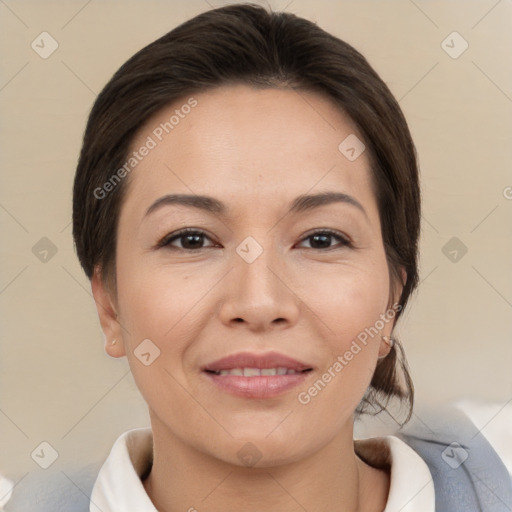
[
  {"x": 322, "y": 239},
  {"x": 189, "y": 239},
  {"x": 193, "y": 239}
]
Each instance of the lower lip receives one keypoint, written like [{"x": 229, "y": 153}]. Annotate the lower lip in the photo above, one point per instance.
[{"x": 267, "y": 386}]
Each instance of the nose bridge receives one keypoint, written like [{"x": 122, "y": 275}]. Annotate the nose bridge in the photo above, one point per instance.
[
  {"x": 255, "y": 274},
  {"x": 257, "y": 293}
]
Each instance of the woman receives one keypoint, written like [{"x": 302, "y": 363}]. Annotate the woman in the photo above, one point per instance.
[{"x": 247, "y": 208}]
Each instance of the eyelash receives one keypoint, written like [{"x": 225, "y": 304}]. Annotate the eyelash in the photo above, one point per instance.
[{"x": 166, "y": 241}]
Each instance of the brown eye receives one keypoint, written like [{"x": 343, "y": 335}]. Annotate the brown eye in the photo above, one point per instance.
[
  {"x": 323, "y": 240},
  {"x": 187, "y": 240}
]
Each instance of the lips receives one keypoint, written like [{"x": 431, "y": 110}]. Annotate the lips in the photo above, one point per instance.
[
  {"x": 252, "y": 375},
  {"x": 248, "y": 361}
]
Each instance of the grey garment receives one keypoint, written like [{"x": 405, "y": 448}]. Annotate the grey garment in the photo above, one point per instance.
[
  {"x": 54, "y": 491},
  {"x": 468, "y": 474}
]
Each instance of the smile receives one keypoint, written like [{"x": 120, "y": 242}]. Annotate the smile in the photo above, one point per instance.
[
  {"x": 251, "y": 375},
  {"x": 257, "y": 372}
]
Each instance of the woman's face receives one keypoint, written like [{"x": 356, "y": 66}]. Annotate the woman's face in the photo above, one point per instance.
[{"x": 290, "y": 287}]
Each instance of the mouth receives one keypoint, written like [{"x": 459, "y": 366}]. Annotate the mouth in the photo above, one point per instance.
[
  {"x": 251, "y": 375},
  {"x": 258, "y": 372}
]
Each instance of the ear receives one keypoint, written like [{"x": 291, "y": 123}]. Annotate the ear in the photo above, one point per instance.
[
  {"x": 107, "y": 312},
  {"x": 396, "y": 287},
  {"x": 403, "y": 275}
]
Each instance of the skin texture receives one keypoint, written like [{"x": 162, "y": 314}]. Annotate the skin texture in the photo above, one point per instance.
[{"x": 255, "y": 150}]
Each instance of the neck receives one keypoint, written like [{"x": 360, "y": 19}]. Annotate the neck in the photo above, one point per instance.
[{"x": 333, "y": 478}]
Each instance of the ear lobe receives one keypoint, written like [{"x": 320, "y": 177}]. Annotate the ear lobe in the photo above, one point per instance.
[
  {"x": 397, "y": 285},
  {"x": 106, "y": 308},
  {"x": 403, "y": 275},
  {"x": 385, "y": 346}
]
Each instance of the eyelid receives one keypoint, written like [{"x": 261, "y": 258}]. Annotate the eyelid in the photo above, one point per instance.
[
  {"x": 343, "y": 240},
  {"x": 171, "y": 237}
]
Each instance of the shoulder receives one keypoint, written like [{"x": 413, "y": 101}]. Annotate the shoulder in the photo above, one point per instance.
[
  {"x": 71, "y": 488},
  {"x": 467, "y": 472},
  {"x": 67, "y": 489}
]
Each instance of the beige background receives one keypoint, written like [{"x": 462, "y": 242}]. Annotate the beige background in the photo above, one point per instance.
[{"x": 56, "y": 383}]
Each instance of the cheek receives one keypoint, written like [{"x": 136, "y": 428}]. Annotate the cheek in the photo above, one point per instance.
[
  {"x": 348, "y": 297},
  {"x": 167, "y": 307},
  {"x": 349, "y": 304},
  {"x": 157, "y": 300}
]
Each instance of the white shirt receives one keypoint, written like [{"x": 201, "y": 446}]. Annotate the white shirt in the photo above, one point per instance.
[{"x": 119, "y": 488}]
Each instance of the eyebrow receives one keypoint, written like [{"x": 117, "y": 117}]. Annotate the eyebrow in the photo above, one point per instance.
[{"x": 209, "y": 204}]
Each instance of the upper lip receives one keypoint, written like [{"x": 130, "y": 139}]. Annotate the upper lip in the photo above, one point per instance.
[{"x": 254, "y": 360}]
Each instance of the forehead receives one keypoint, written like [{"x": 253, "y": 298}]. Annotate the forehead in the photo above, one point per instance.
[{"x": 244, "y": 144}]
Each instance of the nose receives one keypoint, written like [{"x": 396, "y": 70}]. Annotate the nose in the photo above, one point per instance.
[{"x": 259, "y": 295}]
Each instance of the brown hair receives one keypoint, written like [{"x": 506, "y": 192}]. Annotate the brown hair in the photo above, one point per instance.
[{"x": 245, "y": 43}]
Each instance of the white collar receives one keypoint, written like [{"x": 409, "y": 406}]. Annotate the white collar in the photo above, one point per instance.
[
  {"x": 411, "y": 486},
  {"x": 118, "y": 487}
]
